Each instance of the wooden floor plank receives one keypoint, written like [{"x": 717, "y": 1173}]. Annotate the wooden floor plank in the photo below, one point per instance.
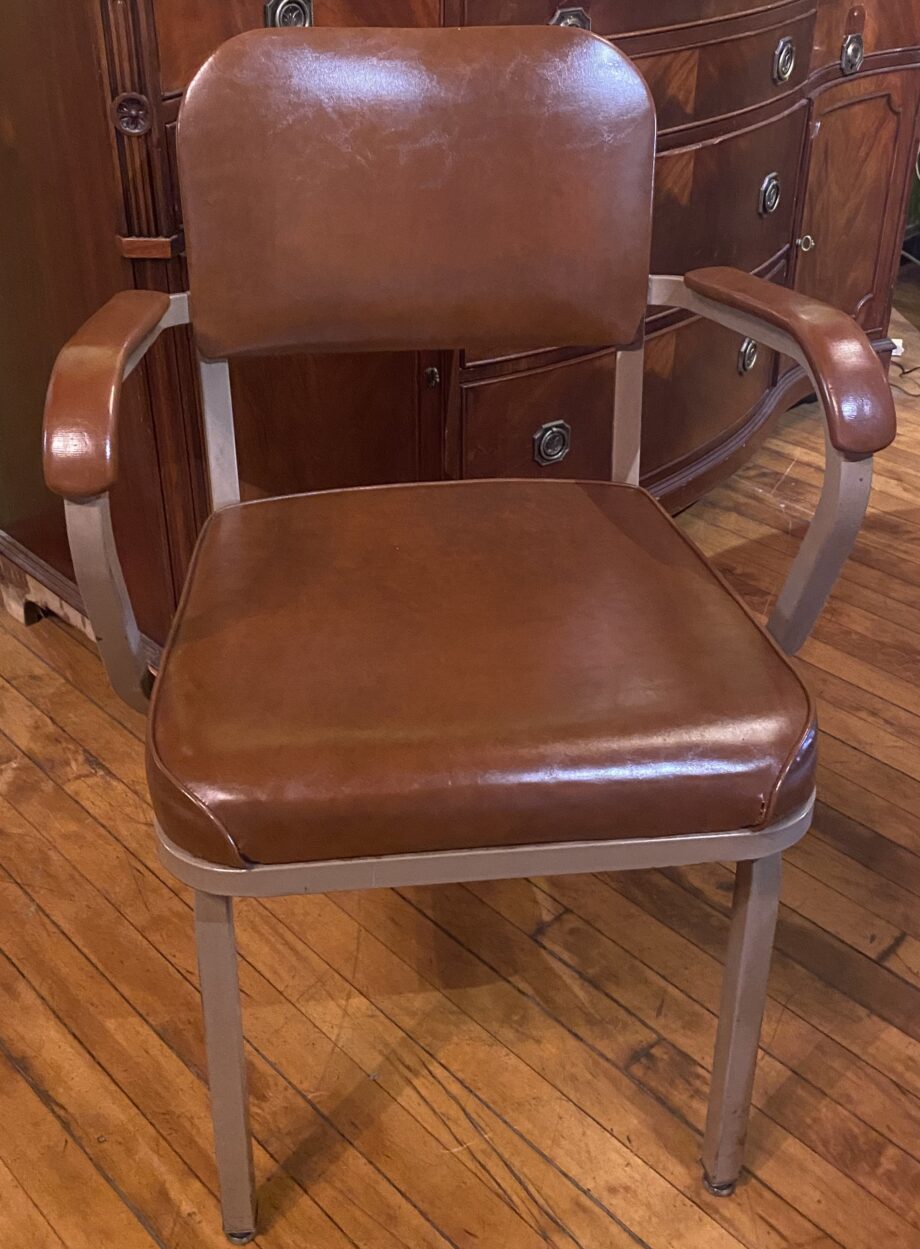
[
  {"x": 887, "y": 858},
  {"x": 71, "y": 655},
  {"x": 592, "y": 1115},
  {"x": 113, "y": 1133},
  {"x": 323, "y": 1110},
  {"x": 21, "y": 1221},
  {"x": 891, "y": 900},
  {"x": 50, "y": 1166},
  {"x": 796, "y": 1055},
  {"x": 653, "y": 1062},
  {"x": 517, "y": 1064}
]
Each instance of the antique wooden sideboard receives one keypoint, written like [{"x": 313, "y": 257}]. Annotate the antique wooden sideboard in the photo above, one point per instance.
[{"x": 788, "y": 136}]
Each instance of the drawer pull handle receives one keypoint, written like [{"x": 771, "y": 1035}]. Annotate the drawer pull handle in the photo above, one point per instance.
[
  {"x": 571, "y": 17},
  {"x": 289, "y": 13},
  {"x": 747, "y": 356},
  {"x": 771, "y": 192},
  {"x": 132, "y": 113},
  {"x": 552, "y": 442},
  {"x": 807, "y": 243},
  {"x": 853, "y": 54},
  {"x": 784, "y": 60}
]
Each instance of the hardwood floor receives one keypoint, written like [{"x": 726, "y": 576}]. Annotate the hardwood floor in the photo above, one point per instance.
[{"x": 504, "y": 1066}]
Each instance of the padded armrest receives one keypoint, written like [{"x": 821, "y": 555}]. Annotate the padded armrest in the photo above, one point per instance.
[
  {"x": 81, "y": 408},
  {"x": 850, "y": 377}
]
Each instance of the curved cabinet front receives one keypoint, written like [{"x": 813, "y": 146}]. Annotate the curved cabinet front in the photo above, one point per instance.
[{"x": 756, "y": 155}]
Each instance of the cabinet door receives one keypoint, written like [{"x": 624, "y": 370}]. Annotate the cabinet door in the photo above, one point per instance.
[
  {"x": 863, "y": 142},
  {"x": 58, "y": 265},
  {"x": 319, "y": 422}
]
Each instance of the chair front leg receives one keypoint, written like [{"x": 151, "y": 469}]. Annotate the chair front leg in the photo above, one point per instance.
[
  {"x": 744, "y": 993},
  {"x": 223, "y": 1032}
]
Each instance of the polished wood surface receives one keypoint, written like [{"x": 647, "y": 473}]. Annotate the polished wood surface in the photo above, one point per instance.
[
  {"x": 701, "y": 72},
  {"x": 383, "y": 441},
  {"x": 883, "y": 25},
  {"x": 696, "y": 358},
  {"x": 611, "y": 16},
  {"x": 58, "y": 265},
  {"x": 870, "y": 126},
  {"x": 521, "y": 1063},
  {"x": 93, "y": 192},
  {"x": 188, "y": 34},
  {"x": 502, "y": 416},
  {"x": 707, "y": 197}
]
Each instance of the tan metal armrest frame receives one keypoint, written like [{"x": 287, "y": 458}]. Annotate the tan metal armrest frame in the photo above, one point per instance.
[
  {"x": 844, "y": 495},
  {"x": 823, "y": 552},
  {"x": 98, "y": 569}
]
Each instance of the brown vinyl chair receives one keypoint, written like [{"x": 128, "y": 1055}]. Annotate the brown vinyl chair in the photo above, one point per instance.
[{"x": 463, "y": 680}]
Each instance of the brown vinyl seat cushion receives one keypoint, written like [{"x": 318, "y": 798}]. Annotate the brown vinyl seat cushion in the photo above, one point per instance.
[{"x": 464, "y": 664}]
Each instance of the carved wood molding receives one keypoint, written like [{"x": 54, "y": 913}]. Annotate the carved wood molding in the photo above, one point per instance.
[{"x": 132, "y": 70}]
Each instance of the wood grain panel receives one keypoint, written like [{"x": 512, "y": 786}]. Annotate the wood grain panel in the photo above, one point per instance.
[
  {"x": 614, "y": 17},
  {"x": 189, "y": 31},
  {"x": 500, "y": 418},
  {"x": 59, "y": 208},
  {"x": 681, "y": 363},
  {"x": 314, "y": 422},
  {"x": 863, "y": 143},
  {"x": 707, "y": 197},
  {"x": 724, "y": 73},
  {"x": 884, "y": 25}
]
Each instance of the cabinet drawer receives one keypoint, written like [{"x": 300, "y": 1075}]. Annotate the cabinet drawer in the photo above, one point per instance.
[
  {"x": 512, "y": 425},
  {"x": 612, "y": 17},
  {"x": 885, "y": 25},
  {"x": 696, "y": 393},
  {"x": 724, "y": 67},
  {"x": 708, "y": 197},
  {"x": 188, "y": 34}
]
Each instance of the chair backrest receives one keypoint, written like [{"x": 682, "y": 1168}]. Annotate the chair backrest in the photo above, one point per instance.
[{"x": 407, "y": 189}]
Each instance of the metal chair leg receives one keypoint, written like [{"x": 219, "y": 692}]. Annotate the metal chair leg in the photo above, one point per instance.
[
  {"x": 744, "y": 992},
  {"x": 223, "y": 1031}
]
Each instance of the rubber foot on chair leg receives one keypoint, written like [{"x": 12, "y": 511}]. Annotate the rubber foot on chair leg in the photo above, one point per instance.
[
  {"x": 719, "y": 1190},
  {"x": 240, "y": 1238}
]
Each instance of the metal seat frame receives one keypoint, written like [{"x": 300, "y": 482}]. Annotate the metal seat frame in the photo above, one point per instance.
[{"x": 757, "y": 853}]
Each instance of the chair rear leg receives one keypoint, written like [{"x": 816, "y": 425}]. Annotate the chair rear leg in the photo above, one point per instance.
[
  {"x": 223, "y": 1032},
  {"x": 744, "y": 993}
]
